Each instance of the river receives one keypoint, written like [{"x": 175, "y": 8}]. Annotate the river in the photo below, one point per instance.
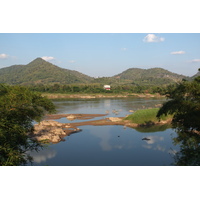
[{"x": 110, "y": 145}]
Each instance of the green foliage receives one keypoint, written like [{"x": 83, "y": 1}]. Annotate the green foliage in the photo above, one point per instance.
[
  {"x": 153, "y": 76},
  {"x": 189, "y": 154},
  {"x": 39, "y": 71},
  {"x": 184, "y": 104},
  {"x": 96, "y": 88},
  {"x": 18, "y": 108},
  {"x": 146, "y": 116}
]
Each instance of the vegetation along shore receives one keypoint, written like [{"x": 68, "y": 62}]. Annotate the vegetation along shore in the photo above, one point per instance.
[
  {"x": 52, "y": 131},
  {"x": 21, "y": 105}
]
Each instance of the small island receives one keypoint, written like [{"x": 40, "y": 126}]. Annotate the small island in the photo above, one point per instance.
[{"x": 52, "y": 131}]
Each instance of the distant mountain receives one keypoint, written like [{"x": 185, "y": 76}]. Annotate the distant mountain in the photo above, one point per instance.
[
  {"x": 197, "y": 74},
  {"x": 153, "y": 76},
  {"x": 41, "y": 71}
]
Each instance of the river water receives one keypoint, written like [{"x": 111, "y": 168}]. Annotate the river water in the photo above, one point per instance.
[{"x": 110, "y": 145}]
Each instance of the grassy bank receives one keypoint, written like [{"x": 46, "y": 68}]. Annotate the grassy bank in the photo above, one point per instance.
[{"x": 147, "y": 116}]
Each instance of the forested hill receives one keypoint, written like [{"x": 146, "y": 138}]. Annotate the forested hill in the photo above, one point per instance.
[
  {"x": 197, "y": 74},
  {"x": 41, "y": 71},
  {"x": 149, "y": 76}
]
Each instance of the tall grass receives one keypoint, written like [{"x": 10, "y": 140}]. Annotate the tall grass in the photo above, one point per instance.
[{"x": 146, "y": 116}]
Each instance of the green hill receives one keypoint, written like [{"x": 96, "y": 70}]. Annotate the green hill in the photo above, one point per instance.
[
  {"x": 153, "y": 76},
  {"x": 41, "y": 71},
  {"x": 197, "y": 74}
]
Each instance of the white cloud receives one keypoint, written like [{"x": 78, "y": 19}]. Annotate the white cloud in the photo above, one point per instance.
[
  {"x": 153, "y": 38},
  {"x": 72, "y": 61},
  {"x": 195, "y": 60},
  {"x": 177, "y": 52},
  {"x": 48, "y": 58},
  {"x": 124, "y": 49},
  {"x": 3, "y": 56}
]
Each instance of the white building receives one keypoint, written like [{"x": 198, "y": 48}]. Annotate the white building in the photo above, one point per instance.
[{"x": 106, "y": 87}]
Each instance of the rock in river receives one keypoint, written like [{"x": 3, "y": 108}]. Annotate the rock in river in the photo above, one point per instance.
[
  {"x": 51, "y": 131},
  {"x": 115, "y": 119}
]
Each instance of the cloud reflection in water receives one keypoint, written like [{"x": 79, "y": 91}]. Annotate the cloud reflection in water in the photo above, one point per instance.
[
  {"x": 153, "y": 140},
  {"x": 104, "y": 142},
  {"x": 43, "y": 155}
]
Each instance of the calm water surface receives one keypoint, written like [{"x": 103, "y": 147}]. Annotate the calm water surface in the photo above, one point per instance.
[{"x": 109, "y": 145}]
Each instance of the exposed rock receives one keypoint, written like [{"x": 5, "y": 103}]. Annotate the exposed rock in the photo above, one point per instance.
[
  {"x": 44, "y": 131},
  {"x": 50, "y": 123},
  {"x": 71, "y": 117},
  {"x": 130, "y": 124},
  {"x": 115, "y": 119},
  {"x": 52, "y": 131},
  {"x": 56, "y": 138},
  {"x": 66, "y": 125}
]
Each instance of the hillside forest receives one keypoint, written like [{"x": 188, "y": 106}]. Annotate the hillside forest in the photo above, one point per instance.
[
  {"x": 21, "y": 103},
  {"x": 40, "y": 75}
]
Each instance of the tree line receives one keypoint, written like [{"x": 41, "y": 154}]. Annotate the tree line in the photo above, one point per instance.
[
  {"x": 20, "y": 105},
  {"x": 96, "y": 88}
]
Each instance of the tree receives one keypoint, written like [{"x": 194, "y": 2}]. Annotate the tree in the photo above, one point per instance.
[
  {"x": 189, "y": 153},
  {"x": 184, "y": 104},
  {"x": 18, "y": 108}
]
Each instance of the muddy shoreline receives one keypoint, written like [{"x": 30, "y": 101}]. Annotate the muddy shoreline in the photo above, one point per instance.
[
  {"x": 96, "y": 96},
  {"x": 52, "y": 131},
  {"x": 76, "y": 116}
]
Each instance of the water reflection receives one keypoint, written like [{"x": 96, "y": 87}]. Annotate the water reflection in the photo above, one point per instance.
[
  {"x": 107, "y": 103},
  {"x": 157, "y": 147},
  {"x": 104, "y": 140},
  {"x": 157, "y": 143},
  {"x": 156, "y": 128},
  {"x": 111, "y": 145},
  {"x": 43, "y": 156},
  {"x": 153, "y": 139},
  {"x": 100, "y": 106},
  {"x": 189, "y": 153},
  {"x": 116, "y": 139}
]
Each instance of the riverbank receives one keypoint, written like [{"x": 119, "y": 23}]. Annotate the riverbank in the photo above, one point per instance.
[
  {"x": 52, "y": 131},
  {"x": 93, "y": 96}
]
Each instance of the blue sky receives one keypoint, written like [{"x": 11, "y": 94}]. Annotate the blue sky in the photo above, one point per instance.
[{"x": 104, "y": 54}]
